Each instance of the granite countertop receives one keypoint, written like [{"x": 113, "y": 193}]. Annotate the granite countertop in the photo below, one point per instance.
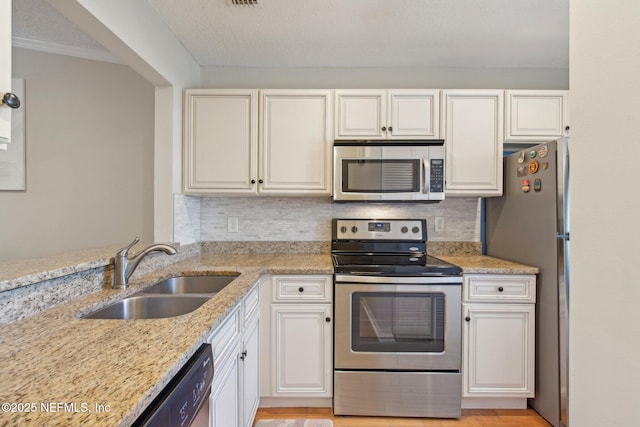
[
  {"x": 487, "y": 265},
  {"x": 77, "y": 368},
  {"x": 56, "y": 361},
  {"x": 23, "y": 272}
]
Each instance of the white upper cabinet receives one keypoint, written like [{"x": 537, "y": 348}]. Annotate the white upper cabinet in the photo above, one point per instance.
[
  {"x": 387, "y": 114},
  {"x": 5, "y": 70},
  {"x": 295, "y": 142},
  {"x": 536, "y": 115},
  {"x": 249, "y": 142},
  {"x": 472, "y": 123},
  {"x": 220, "y": 141}
]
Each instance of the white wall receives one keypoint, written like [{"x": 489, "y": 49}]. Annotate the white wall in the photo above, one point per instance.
[
  {"x": 605, "y": 212},
  {"x": 89, "y": 139}
]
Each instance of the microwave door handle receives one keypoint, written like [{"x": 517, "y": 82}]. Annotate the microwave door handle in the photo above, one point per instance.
[{"x": 426, "y": 175}]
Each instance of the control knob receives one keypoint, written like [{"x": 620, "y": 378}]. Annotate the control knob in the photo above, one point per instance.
[
  {"x": 354, "y": 229},
  {"x": 415, "y": 229},
  {"x": 343, "y": 229},
  {"x": 404, "y": 229}
]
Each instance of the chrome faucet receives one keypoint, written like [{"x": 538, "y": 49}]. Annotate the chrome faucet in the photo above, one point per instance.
[{"x": 125, "y": 265}]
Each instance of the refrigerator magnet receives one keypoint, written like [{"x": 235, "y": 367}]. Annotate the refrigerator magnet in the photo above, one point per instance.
[
  {"x": 526, "y": 186},
  {"x": 521, "y": 171},
  {"x": 537, "y": 185},
  {"x": 533, "y": 166},
  {"x": 543, "y": 151}
]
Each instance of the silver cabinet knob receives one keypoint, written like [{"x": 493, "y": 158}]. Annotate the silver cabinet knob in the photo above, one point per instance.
[{"x": 11, "y": 100}]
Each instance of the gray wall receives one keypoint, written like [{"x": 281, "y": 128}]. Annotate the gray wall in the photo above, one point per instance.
[
  {"x": 357, "y": 78},
  {"x": 89, "y": 139},
  {"x": 604, "y": 367}
]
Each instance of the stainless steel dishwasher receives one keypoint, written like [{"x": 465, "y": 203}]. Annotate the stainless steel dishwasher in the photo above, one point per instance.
[{"x": 184, "y": 402}]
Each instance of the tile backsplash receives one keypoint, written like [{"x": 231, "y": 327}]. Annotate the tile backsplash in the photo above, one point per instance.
[
  {"x": 309, "y": 218},
  {"x": 186, "y": 219}
]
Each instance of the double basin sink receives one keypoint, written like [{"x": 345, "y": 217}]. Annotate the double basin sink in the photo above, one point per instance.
[{"x": 169, "y": 298}]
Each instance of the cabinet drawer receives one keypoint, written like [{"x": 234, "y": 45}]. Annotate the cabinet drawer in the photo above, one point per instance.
[
  {"x": 496, "y": 288},
  {"x": 302, "y": 288},
  {"x": 225, "y": 336}
]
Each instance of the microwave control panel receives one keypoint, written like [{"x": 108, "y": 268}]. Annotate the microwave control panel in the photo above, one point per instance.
[{"x": 436, "y": 176}]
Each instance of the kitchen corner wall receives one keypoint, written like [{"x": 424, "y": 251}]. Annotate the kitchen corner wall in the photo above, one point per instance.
[
  {"x": 89, "y": 147},
  {"x": 309, "y": 219}
]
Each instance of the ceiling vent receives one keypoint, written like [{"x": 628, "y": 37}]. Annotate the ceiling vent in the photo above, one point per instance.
[{"x": 244, "y": 3}]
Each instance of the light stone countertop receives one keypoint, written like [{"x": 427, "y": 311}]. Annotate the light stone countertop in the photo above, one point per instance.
[
  {"x": 57, "y": 358},
  {"x": 23, "y": 272},
  {"x": 483, "y": 264}
]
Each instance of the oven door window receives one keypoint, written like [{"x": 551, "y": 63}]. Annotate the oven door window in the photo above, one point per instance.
[
  {"x": 397, "y": 322},
  {"x": 380, "y": 175}
]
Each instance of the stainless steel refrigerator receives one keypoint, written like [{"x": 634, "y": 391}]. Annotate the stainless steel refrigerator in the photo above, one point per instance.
[{"x": 530, "y": 224}]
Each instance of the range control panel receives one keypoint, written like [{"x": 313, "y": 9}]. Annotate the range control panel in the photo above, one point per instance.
[{"x": 370, "y": 229}]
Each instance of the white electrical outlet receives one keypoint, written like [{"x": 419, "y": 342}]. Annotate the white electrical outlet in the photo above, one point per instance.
[
  {"x": 439, "y": 224},
  {"x": 232, "y": 224}
]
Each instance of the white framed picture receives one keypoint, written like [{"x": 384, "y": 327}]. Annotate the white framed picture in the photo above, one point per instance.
[{"x": 13, "y": 158}]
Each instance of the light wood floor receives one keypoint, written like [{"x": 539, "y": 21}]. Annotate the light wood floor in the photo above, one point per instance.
[{"x": 470, "y": 418}]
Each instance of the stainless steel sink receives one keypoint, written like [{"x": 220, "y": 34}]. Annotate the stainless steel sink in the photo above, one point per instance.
[
  {"x": 149, "y": 307},
  {"x": 191, "y": 285}
]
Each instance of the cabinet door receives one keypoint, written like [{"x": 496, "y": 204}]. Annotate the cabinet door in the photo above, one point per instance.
[
  {"x": 414, "y": 114},
  {"x": 225, "y": 394},
  {"x": 473, "y": 126},
  {"x": 536, "y": 115},
  {"x": 250, "y": 359},
  {"x": 361, "y": 114},
  {"x": 498, "y": 350},
  {"x": 296, "y": 139},
  {"x": 302, "y": 350},
  {"x": 220, "y": 141}
]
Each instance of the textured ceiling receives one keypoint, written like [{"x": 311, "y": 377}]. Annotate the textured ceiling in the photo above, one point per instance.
[
  {"x": 37, "y": 20},
  {"x": 373, "y": 33},
  {"x": 346, "y": 33}
]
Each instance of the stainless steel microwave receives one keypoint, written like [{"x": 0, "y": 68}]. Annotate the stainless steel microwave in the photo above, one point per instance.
[{"x": 388, "y": 171}]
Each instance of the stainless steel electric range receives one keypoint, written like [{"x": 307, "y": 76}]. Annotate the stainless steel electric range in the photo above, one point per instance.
[{"x": 397, "y": 322}]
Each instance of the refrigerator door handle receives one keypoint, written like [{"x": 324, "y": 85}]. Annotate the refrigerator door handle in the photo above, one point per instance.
[{"x": 563, "y": 236}]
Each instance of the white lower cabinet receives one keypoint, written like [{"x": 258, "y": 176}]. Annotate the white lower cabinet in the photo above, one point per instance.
[
  {"x": 498, "y": 340},
  {"x": 250, "y": 363},
  {"x": 225, "y": 395},
  {"x": 236, "y": 355},
  {"x": 302, "y": 349},
  {"x": 298, "y": 340}
]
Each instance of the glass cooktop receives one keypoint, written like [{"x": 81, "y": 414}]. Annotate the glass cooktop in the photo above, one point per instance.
[{"x": 417, "y": 264}]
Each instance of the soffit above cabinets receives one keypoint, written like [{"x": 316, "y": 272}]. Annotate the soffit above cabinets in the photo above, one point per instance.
[{"x": 345, "y": 33}]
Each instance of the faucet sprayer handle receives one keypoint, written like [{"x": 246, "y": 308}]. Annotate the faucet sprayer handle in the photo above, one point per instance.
[{"x": 124, "y": 251}]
